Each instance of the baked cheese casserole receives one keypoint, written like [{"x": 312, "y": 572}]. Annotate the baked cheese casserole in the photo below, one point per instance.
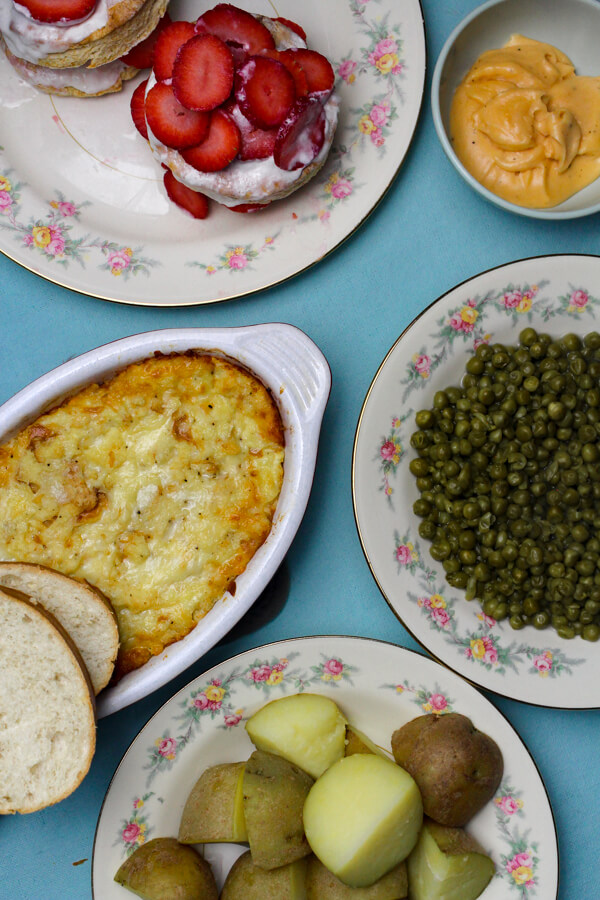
[{"x": 157, "y": 487}]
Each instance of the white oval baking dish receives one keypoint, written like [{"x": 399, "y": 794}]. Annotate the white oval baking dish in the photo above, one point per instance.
[{"x": 299, "y": 378}]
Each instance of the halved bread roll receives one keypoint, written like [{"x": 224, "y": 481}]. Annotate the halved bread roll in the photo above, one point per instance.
[
  {"x": 47, "y": 713},
  {"x": 84, "y": 613}
]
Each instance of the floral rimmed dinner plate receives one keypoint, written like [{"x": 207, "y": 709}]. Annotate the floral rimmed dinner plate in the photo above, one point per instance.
[
  {"x": 555, "y": 294},
  {"x": 81, "y": 197},
  {"x": 378, "y": 686}
]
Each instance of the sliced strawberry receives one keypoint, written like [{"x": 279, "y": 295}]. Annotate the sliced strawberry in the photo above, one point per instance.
[
  {"x": 170, "y": 122},
  {"x": 203, "y": 72},
  {"x": 239, "y": 54},
  {"x": 219, "y": 148},
  {"x": 167, "y": 46},
  {"x": 258, "y": 143},
  {"x": 317, "y": 68},
  {"x": 293, "y": 67},
  {"x": 247, "y": 207},
  {"x": 293, "y": 26},
  {"x": 236, "y": 26},
  {"x": 192, "y": 201},
  {"x": 265, "y": 91},
  {"x": 137, "y": 105},
  {"x": 141, "y": 56},
  {"x": 301, "y": 136},
  {"x": 58, "y": 10}
]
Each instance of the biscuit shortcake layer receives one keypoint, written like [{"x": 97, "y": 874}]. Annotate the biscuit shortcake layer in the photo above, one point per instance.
[
  {"x": 109, "y": 33},
  {"x": 78, "y": 81}
]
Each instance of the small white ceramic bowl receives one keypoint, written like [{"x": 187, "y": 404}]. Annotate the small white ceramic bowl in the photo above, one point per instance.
[
  {"x": 572, "y": 26},
  {"x": 298, "y": 376}
]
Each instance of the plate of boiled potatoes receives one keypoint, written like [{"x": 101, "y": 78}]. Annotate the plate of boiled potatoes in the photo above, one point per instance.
[{"x": 326, "y": 768}]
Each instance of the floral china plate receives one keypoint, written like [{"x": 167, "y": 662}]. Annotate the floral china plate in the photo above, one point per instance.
[
  {"x": 557, "y": 295},
  {"x": 90, "y": 212},
  {"x": 379, "y": 687}
]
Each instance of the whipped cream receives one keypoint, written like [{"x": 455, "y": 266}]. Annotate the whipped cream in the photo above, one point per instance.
[
  {"x": 244, "y": 180},
  {"x": 249, "y": 180},
  {"x": 87, "y": 81},
  {"x": 32, "y": 40}
]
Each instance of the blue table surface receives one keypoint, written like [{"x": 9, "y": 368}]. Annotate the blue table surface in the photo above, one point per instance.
[{"x": 430, "y": 233}]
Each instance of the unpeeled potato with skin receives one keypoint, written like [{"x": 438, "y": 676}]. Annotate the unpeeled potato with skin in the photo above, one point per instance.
[
  {"x": 246, "y": 881},
  {"x": 274, "y": 794},
  {"x": 457, "y": 768},
  {"x": 214, "y": 810},
  {"x": 164, "y": 869},
  {"x": 321, "y": 884}
]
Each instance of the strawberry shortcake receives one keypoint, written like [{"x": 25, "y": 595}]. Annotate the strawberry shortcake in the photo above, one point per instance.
[
  {"x": 237, "y": 109},
  {"x": 79, "y": 47}
]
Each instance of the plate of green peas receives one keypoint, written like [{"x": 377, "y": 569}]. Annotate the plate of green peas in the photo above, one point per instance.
[{"x": 476, "y": 479}]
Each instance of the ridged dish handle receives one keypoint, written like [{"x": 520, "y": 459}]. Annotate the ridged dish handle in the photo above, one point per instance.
[{"x": 283, "y": 352}]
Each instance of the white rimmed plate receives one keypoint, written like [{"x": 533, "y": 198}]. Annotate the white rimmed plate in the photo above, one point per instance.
[
  {"x": 555, "y": 294},
  {"x": 88, "y": 211},
  {"x": 298, "y": 376},
  {"x": 379, "y": 687}
]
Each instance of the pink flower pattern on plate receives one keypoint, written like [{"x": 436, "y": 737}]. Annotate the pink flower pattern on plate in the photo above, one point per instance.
[
  {"x": 579, "y": 300},
  {"x": 118, "y": 260},
  {"x": 423, "y": 364},
  {"x": 508, "y": 804},
  {"x": 543, "y": 663},
  {"x": 464, "y": 320},
  {"x": 333, "y": 667},
  {"x": 438, "y": 703},
  {"x": 167, "y": 747},
  {"x": 521, "y": 869},
  {"x": 347, "y": 71},
  {"x": 131, "y": 832},
  {"x": 404, "y": 554}
]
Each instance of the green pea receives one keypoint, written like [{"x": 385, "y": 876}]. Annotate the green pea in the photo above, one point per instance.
[
  {"x": 541, "y": 620},
  {"x": 458, "y": 580},
  {"x": 427, "y": 530},
  {"x": 590, "y": 633},
  {"x": 440, "y": 550},
  {"x": 556, "y": 410},
  {"x": 419, "y": 466},
  {"x": 467, "y": 557},
  {"x": 471, "y": 511},
  {"x": 421, "y": 508},
  {"x": 566, "y": 631},
  {"x": 528, "y": 336}
]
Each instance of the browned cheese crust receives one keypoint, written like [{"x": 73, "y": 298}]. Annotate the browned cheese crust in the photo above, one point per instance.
[{"x": 157, "y": 487}]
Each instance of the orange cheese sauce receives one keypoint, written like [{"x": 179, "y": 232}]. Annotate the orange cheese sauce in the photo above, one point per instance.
[{"x": 526, "y": 126}]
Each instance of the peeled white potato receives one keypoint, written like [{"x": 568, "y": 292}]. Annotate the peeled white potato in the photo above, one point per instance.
[
  {"x": 309, "y": 730},
  {"x": 362, "y": 817},
  {"x": 447, "y": 864}
]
